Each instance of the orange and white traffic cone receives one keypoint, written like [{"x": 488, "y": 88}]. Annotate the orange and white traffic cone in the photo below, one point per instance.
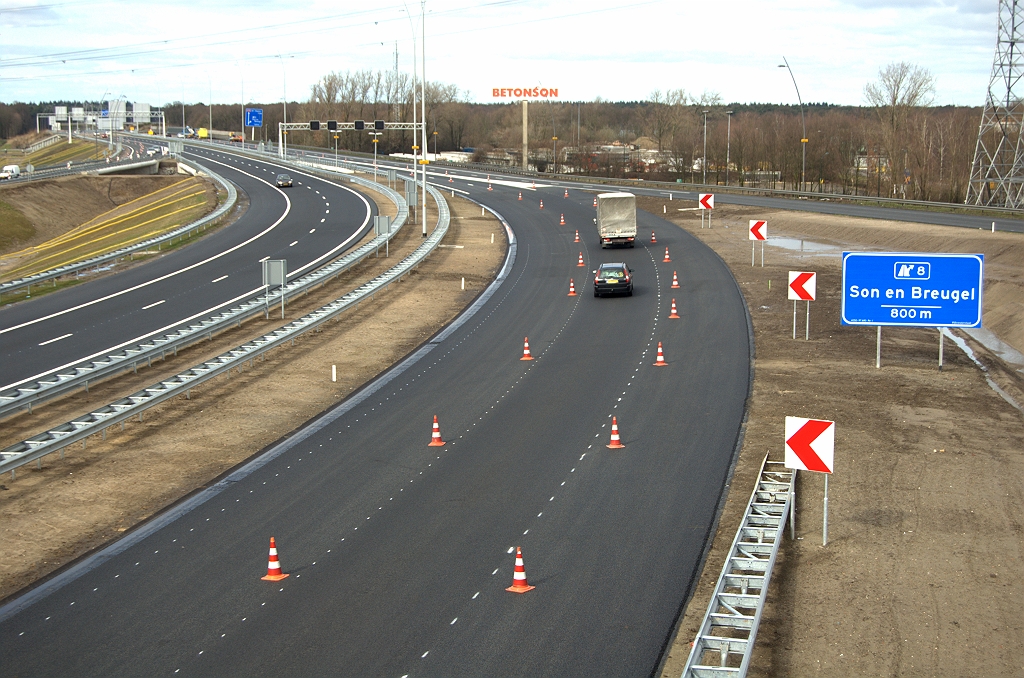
[
  {"x": 526, "y": 349},
  {"x": 561, "y": 220},
  {"x": 595, "y": 201},
  {"x": 654, "y": 241},
  {"x": 580, "y": 262},
  {"x": 666, "y": 256},
  {"x": 533, "y": 184},
  {"x": 450, "y": 180},
  {"x": 673, "y": 314},
  {"x": 566, "y": 193},
  {"x": 572, "y": 288},
  {"x": 615, "y": 443},
  {"x": 519, "y": 583},
  {"x": 661, "y": 357},
  {"x": 273, "y": 567},
  {"x": 542, "y": 204},
  {"x": 520, "y": 195},
  {"x": 577, "y": 237},
  {"x": 675, "y": 281},
  {"x": 435, "y": 435},
  {"x": 489, "y": 187}
]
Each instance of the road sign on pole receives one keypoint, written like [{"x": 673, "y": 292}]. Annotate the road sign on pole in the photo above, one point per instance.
[
  {"x": 912, "y": 289},
  {"x": 705, "y": 201},
  {"x": 254, "y": 117},
  {"x": 802, "y": 287},
  {"x": 810, "y": 446},
  {"x": 758, "y": 231}
]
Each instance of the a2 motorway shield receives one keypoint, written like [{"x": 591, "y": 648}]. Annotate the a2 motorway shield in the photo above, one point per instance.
[{"x": 910, "y": 288}]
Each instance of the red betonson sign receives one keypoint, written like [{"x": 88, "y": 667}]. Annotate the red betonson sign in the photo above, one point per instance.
[
  {"x": 802, "y": 285},
  {"x": 758, "y": 230},
  {"x": 706, "y": 200},
  {"x": 810, "y": 444},
  {"x": 525, "y": 92}
]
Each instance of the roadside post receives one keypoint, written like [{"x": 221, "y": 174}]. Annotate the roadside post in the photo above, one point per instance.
[
  {"x": 810, "y": 446},
  {"x": 758, "y": 232},
  {"x": 802, "y": 287},
  {"x": 382, "y": 225},
  {"x": 912, "y": 289},
  {"x": 705, "y": 201},
  {"x": 275, "y": 272}
]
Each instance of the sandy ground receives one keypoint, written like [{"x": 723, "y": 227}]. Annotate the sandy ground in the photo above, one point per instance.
[
  {"x": 920, "y": 576},
  {"x": 52, "y": 515},
  {"x": 76, "y": 201}
]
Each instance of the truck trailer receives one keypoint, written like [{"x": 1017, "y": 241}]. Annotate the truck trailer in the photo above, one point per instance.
[{"x": 616, "y": 219}]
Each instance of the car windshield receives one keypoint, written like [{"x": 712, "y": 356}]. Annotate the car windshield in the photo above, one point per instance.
[
  {"x": 612, "y": 273},
  {"x": 283, "y": 177}
]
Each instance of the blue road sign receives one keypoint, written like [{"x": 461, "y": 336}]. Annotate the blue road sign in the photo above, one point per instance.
[
  {"x": 910, "y": 288},
  {"x": 254, "y": 117}
]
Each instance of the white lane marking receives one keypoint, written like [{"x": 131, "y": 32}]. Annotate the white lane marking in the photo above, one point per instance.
[
  {"x": 218, "y": 279},
  {"x": 327, "y": 212},
  {"x": 263, "y": 259},
  {"x": 312, "y": 230},
  {"x": 322, "y": 220},
  {"x": 136, "y": 340},
  {"x": 294, "y": 244},
  {"x": 288, "y": 208},
  {"x": 50, "y": 341},
  {"x": 155, "y": 303}
]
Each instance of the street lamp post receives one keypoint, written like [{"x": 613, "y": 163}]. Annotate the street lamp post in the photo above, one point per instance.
[
  {"x": 704, "y": 158},
  {"x": 554, "y": 155},
  {"x": 283, "y": 141},
  {"x": 374, "y": 135},
  {"x": 728, "y": 143},
  {"x": 803, "y": 126}
]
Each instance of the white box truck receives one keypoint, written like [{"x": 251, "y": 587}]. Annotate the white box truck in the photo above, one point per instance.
[
  {"x": 616, "y": 219},
  {"x": 10, "y": 172}
]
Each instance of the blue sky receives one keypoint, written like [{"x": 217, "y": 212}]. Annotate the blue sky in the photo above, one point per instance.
[{"x": 614, "y": 50}]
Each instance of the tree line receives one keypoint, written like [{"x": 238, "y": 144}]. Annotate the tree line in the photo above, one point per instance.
[{"x": 898, "y": 144}]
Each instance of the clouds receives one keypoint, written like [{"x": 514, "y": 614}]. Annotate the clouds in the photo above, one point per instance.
[{"x": 607, "y": 48}]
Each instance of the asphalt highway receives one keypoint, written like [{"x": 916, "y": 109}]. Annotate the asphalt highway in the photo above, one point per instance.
[
  {"x": 308, "y": 224},
  {"x": 399, "y": 553}
]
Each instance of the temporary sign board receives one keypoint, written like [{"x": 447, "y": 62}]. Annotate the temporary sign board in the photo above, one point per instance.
[
  {"x": 810, "y": 444},
  {"x": 706, "y": 201},
  {"x": 913, "y": 289},
  {"x": 802, "y": 285},
  {"x": 758, "y": 230}
]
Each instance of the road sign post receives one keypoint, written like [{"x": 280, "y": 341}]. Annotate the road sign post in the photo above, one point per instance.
[
  {"x": 912, "y": 289},
  {"x": 802, "y": 287},
  {"x": 810, "y": 446},
  {"x": 758, "y": 232},
  {"x": 275, "y": 272},
  {"x": 705, "y": 201}
]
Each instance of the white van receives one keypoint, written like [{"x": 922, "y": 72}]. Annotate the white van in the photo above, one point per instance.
[{"x": 10, "y": 172}]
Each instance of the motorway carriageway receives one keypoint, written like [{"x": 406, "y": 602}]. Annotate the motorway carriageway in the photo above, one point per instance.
[
  {"x": 400, "y": 553},
  {"x": 309, "y": 225}
]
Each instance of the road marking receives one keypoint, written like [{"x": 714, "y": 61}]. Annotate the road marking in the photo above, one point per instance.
[
  {"x": 50, "y": 341},
  {"x": 263, "y": 259},
  {"x": 218, "y": 279},
  {"x": 155, "y": 303},
  {"x": 294, "y": 244},
  {"x": 312, "y": 230},
  {"x": 322, "y": 220}
]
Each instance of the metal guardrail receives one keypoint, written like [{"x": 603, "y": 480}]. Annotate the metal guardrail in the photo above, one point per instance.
[
  {"x": 95, "y": 262},
  {"x": 77, "y": 376},
  {"x": 725, "y": 641},
  {"x": 97, "y": 421}
]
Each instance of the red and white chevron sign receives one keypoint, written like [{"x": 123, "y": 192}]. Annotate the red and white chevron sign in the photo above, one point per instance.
[
  {"x": 810, "y": 444},
  {"x": 758, "y": 230},
  {"x": 706, "y": 200},
  {"x": 802, "y": 285}
]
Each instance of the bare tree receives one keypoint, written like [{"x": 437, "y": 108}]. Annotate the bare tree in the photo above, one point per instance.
[{"x": 900, "y": 89}]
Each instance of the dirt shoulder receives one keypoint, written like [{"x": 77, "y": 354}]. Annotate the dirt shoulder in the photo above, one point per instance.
[
  {"x": 919, "y": 576},
  {"x": 52, "y": 515}
]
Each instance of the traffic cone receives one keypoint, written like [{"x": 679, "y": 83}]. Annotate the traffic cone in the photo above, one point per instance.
[
  {"x": 542, "y": 204},
  {"x": 577, "y": 236},
  {"x": 615, "y": 443},
  {"x": 566, "y": 193},
  {"x": 661, "y": 357},
  {"x": 435, "y": 435},
  {"x": 519, "y": 584},
  {"x": 675, "y": 281},
  {"x": 572, "y": 288},
  {"x": 450, "y": 180},
  {"x": 526, "y": 349},
  {"x": 489, "y": 187},
  {"x": 666, "y": 256},
  {"x": 273, "y": 567},
  {"x": 580, "y": 263},
  {"x": 561, "y": 220},
  {"x": 673, "y": 314},
  {"x": 595, "y": 201},
  {"x": 654, "y": 241},
  {"x": 520, "y": 195},
  {"x": 533, "y": 184}
]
